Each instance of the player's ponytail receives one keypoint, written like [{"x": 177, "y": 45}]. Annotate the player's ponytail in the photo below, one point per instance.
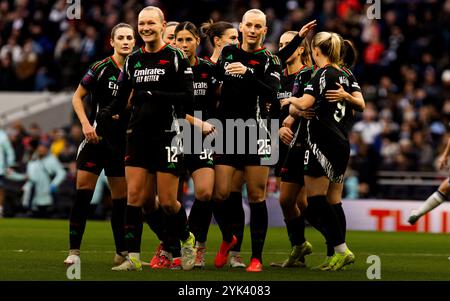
[
  {"x": 329, "y": 44},
  {"x": 348, "y": 54},
  {"x": 213, "y": 29}
]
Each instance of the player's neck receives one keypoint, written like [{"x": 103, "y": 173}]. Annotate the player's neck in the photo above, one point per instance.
[
  {"x": 193, "y": 60},
  {"x": 249, "y": 47},
  {"x": 215, "y": 56},
  {"x": 119, "y": 59},
  {"x": 154, "y": 46}
]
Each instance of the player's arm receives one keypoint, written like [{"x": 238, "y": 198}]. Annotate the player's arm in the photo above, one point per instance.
[
  {"x": 78, "y": 107},
  {"x": 121, "y": 100},
  {"x": 301, "y": 103},
  {"x": 355, "y": 98},
  {"x": 266, "y": 87},
  {"x": 442, "y": 161},
  {"x": 285, "y": 53}
]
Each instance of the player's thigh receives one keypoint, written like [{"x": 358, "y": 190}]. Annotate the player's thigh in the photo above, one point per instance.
[
  {"x": 86, "y": 180},
  {"x": 137, "y": 179},
  {"x": 316, "y": 185},
  {"x": 167, "y": 187},
  {"x": 237, "y": 181},
  {"x": 334, "y": 195}
]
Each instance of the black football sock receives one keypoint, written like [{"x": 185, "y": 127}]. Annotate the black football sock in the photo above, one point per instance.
[
  {"x": 78, "y": 217},
  {"x": 258, "y": 227},
  {"x": 222, "y": 219},
  {"x": 200, "y": 219},
  {"x": 118, "y": 224},
  {"x": 133, "y": 228},
  {"x": 237, "y": 218}
]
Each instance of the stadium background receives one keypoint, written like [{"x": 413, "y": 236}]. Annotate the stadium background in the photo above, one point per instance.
[{"x": 403, "y": 69}]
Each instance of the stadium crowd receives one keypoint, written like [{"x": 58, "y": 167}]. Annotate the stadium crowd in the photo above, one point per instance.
[{"x": 403, "y": 68}]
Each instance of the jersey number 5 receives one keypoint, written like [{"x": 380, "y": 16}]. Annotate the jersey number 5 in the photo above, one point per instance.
[{"x": 340, "y": 111}]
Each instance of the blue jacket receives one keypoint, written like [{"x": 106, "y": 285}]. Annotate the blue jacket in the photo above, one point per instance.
[{"x": 7, "y": 156}]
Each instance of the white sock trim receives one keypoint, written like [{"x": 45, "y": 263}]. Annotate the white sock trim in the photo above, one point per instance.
[{"x": 341, "y": 248}]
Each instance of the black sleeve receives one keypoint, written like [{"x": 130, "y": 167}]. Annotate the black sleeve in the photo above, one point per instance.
[
  {"x": 89, "y": 79},
  {"x": 124, "y": 82},
  {"x": 353, "y": 84},
  {"x": 270, "y": 84},
  {"x": 285, "y": 53},
  {"x": 313, "y": 88}
]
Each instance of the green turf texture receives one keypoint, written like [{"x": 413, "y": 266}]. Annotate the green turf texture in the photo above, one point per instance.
[{"x": 35, "y": 250}]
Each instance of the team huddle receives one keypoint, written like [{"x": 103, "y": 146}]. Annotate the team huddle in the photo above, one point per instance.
[{"x": 140, "y": 98}]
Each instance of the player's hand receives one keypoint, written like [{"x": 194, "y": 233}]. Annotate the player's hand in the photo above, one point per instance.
[
  {"x": 288, "y": 122},
  {"x": 89, "y": 133},
  {"x": 442, "y": 161},
  {"x": 115, "y": 117},
  {"x": 236, "y": 68},
  {"x": 207, "y": 128},
  {"x": 336, "y": 95},
  {"x": 306, "y": 28},
  {"x": 286, "y": 135},
  {"x": 285, "y": 102}
]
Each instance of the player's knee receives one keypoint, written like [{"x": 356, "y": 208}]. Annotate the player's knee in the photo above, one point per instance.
[
  {"x": 169, "y": 209},
  {"x": 203, "y": 195},
  {"x": 220, "y": 195},
  {"x": 287, "y": 202},
  {"x": 256, "y": 195}
]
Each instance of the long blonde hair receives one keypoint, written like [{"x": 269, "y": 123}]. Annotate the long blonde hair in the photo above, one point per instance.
[{"x": 329, "y": 44}]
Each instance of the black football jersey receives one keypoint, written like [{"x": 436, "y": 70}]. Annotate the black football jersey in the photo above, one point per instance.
[
  {"x": 205, "y": 86},
  {"x": 331, "y": 117},
  {"x": 244, "y": 96},
  {"x": 166, "y": 79},
  {"x": 101, "y": 83}
]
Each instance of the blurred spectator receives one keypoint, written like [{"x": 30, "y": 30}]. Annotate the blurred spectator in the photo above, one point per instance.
[
  {"x": 6, "y": 161},
  {"x": 43, "y": 176},
  {"x": 403, "y": 66}
]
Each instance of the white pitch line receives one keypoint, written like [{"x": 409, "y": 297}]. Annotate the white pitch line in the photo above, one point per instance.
[{"x": 247, "y": 253}]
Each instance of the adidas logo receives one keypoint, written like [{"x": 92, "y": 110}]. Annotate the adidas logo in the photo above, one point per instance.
[
  {"x": 210, "y": 162},
  {"x": 171, "y": 166},
  {"x": 230, "y": 57},
  {"x": 112, "y": 78},
  {"x": 137, "y": 65},
  {"x": 129, "y": 236}
]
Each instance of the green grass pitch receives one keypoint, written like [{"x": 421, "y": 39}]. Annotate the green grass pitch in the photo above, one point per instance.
[{"x": 35, "y": 250}]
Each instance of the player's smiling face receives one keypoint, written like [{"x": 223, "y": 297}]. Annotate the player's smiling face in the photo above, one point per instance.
[
  {"x": 187, "y": 42},
  {"x": 123, "y": 41},
  {"x": 253, "y": 28},
  {"x": 150, "y": 26}
]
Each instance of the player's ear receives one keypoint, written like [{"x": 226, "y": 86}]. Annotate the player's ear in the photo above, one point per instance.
[
  {"x": 111, "y": 42},
  {"x": 217, "y": 41},
  {"x": 240, "y": 26}
]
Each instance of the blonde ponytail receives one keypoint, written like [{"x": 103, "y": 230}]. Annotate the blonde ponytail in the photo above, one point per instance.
[{"x": 329, "y": 44}]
